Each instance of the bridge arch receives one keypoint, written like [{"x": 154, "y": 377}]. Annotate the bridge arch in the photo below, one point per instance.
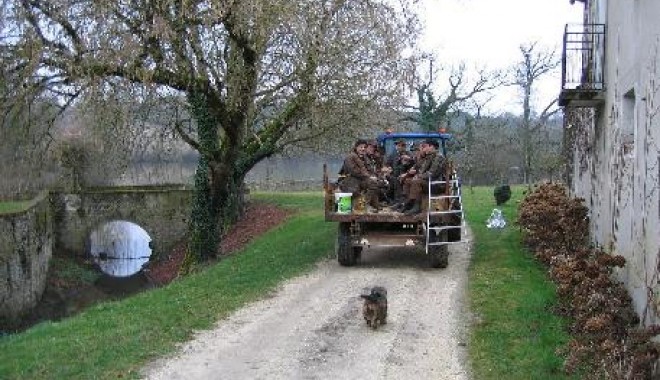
[
  {"x": 61, "y": 222},
  {"x": 161, "y": 211},
  {"x": 120, "y": 248}
]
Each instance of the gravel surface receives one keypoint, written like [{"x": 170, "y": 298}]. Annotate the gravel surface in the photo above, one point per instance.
[{"x": 312, "y": 327}]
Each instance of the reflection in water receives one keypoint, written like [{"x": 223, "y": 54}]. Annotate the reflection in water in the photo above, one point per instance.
[{"x": 120, "y": 248}]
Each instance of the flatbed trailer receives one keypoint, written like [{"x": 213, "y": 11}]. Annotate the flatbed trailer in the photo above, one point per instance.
[{"x": 438, "y": 226}]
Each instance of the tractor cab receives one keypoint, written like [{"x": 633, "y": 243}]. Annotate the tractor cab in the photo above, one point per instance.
[{"x": 387, "y": 141}]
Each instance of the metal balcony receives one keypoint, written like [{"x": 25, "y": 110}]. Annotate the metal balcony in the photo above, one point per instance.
[{"x": 583, "y": 59}]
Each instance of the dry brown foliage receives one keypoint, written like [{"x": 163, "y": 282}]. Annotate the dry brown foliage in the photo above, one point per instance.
[
  {"x": 607, "y": 340},
  {"x": 552, "y": 220}
]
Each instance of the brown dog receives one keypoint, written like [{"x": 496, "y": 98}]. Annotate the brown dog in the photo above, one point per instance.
[{"x": 374, "y": 309}]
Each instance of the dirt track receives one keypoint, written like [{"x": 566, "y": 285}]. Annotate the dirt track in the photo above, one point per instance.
[{"x": 312, "y": 328}]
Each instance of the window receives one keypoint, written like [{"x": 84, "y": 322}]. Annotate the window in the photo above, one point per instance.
[{"x": 628, "y": 122}]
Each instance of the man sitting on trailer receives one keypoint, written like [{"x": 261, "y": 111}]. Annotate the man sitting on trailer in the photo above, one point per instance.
[
  {"x": 400, "y": 161},
  {"x": 357, "y": 178},
  {"x": 431, "y": 167}
]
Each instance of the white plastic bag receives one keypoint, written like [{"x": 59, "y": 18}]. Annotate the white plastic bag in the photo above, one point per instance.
[{"x": 496, "y": 219}]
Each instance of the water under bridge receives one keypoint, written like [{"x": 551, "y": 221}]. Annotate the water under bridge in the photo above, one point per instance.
[{"x": 120, "y": 228}]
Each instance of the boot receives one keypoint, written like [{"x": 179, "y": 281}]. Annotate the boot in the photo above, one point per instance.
[
  {"x": 416, "y": 209},
  {"x": 373, "y": 202}
]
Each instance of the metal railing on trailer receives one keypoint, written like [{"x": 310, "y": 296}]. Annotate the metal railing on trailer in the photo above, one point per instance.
[{"x": 452, "y": 193}]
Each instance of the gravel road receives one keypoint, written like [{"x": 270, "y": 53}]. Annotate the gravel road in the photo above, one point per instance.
[{"x": 312, "y": 327}]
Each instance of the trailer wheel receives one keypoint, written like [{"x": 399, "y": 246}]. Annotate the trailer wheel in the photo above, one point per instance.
[
  {"x": 357, "y": 254},
  {"x": 439, "y": 254},
  {"x": 345, "y": 253}
]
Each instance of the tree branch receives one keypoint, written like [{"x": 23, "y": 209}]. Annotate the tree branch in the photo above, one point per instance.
[{"x": 187, "y": 138}]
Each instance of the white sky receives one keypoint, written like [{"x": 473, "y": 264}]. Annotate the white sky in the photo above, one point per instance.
[{"x": 488, "y": 33}]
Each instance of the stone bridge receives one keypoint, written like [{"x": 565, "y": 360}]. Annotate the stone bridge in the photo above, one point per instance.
[
  {"x": 63, "y": 222},
  {"x": 162, "y": 211}
]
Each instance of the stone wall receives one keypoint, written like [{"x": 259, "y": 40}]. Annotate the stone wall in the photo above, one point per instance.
[
  {"x": 63, "y": 222},
  {"x": 163, "y": 211},
  {"x": 26, "y": 240}
]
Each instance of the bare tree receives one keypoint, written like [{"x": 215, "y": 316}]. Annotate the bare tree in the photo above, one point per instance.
[
  {"x": 535, "y": 63},
  {"x": 489, "y": 152},
  {"x": 24, "y": 142},
  {"x": 23, "y": 151},
  {"x": 254, "y": 75},
  {"x": 469, "y": 155},
  {"x": 434, "y": 109}
]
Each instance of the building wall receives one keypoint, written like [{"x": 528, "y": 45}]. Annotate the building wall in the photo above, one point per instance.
[{"x": 616, "y": 167}]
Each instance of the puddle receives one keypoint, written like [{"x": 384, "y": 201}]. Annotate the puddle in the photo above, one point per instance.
[{"x": 120, "y": 248}]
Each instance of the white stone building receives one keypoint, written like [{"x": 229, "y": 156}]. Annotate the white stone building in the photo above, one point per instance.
[{"x": 611, "y": 98}]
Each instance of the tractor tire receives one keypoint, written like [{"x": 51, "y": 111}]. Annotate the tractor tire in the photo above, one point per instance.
[
  {"x": 346, "y": 255},
  {"x": 439, "y": 254},
  {"x": 357, "y": 254}
]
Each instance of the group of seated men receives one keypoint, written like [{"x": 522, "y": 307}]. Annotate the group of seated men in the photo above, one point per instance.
[{"x": 399, "y": 181}]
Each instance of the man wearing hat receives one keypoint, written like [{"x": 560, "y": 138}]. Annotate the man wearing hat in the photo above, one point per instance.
[
  {"x": 357, "y": 177},
  {"x": 431, "y": 166}
]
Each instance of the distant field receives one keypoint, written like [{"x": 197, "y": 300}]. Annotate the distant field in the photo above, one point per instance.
[{"x": 6, "y": 207}]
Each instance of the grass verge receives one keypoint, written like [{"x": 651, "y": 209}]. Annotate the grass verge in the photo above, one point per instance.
[
  {"x": 71, "y": 272},
  {"x": 514, "y": 334},
  {"x": 116, "y": 339}
]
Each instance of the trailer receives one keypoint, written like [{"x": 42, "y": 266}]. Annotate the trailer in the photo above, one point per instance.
[{"x": 440, "y": 224}]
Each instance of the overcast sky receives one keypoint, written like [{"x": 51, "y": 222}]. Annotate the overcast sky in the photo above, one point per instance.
[{"x": 489, "y": 33}]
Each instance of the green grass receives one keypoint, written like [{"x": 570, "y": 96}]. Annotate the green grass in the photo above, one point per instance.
[
  {"x": 13, "y": 206},
  {"x": 70, "y": 271},
  {"x": 514, "y": 335},
  {"x": 117, "y": 338},
  {"x": 310, "y": 201}
]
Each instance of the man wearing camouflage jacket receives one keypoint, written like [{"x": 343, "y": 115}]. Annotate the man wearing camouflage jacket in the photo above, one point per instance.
[{"x": 431, "y": 167}]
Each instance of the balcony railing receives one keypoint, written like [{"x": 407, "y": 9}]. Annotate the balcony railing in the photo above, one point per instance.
[{"x": 583, "y": 58}]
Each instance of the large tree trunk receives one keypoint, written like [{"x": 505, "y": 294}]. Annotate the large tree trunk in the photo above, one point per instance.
[
  {"x": 204, "y": 231},
  {"x": 227, "y": 193},
  {"x": 217, "y": 200}
]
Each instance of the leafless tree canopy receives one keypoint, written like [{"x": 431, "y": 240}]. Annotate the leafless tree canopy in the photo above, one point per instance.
[
  {"x": 271, "y": 70},
  {"x": 460, "y": 92},
  {"x": 535, "y": 62}
]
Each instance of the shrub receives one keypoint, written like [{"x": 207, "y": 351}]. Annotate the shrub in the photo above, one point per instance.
[
  {"x": 502, "y": 194},
  {"x": 607, "y": 342},
  {"x": 551, "y": 220}
]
